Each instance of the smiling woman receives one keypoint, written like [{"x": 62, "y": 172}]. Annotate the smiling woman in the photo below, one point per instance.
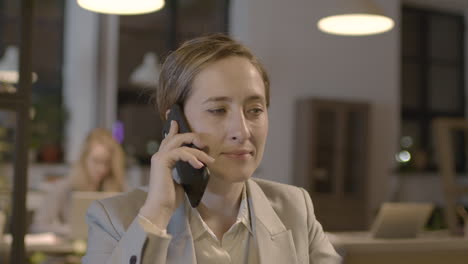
[
  {"x": 227, "y": 109},
  {"x": 224, "y": 93}
]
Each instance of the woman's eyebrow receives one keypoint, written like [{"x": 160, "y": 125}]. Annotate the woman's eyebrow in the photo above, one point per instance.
[
  {"x": 229, "y": 99},
  {"x": 218, "y": 99},
  {"x": 256, "y": 98}
]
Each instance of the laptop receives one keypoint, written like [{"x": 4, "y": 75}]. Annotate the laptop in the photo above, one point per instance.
[
  {"x": 79, "y": 206},
  {"x": 401, "y": 220}
]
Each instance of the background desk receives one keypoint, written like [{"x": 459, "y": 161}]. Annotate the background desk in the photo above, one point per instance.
[
  {"x": 49, "y": 244},
  {"x": 429, "y": 248}
]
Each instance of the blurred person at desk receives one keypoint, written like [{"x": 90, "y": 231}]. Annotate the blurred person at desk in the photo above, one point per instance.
[
  {"x": 101, "y": 167},
  {"x": 222, "y": 91}
]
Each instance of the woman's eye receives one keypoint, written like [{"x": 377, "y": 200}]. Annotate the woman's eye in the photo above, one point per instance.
[
  {"x": 217, "y": 111},
  {"x": 256, "y": 111}
]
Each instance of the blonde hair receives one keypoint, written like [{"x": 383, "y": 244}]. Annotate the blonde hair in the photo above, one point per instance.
[
  {"x": 114, "y": 182},
  {"x": 181, "y": 66}
]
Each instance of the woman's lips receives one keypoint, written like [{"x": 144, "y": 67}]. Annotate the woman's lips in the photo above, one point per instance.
[{"x": 241, "y": 154}]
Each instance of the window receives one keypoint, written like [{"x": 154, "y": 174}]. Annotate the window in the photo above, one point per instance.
[
  {"x": 432, "y": 82},
  {"x": 47, "y": 124},
  {"x": 14, "y": 119},
  {"x": 36, "y": 35},
  {"x": 156, "y": 34}
]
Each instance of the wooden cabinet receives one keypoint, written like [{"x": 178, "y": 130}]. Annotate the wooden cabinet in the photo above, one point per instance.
[{"x": 331, "y": 160}]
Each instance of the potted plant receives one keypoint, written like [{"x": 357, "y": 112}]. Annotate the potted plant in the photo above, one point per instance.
[{"x": 48, "y": 117}]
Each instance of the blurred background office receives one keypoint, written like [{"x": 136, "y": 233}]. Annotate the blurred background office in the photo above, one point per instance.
[
  {"x": 350, "y": 120},
  {"x": 99, "y": 168}
]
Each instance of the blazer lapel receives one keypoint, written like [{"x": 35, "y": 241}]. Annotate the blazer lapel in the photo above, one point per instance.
[
  {"x": 274, "y": 242},
  {"x": 181, "y": 248}
]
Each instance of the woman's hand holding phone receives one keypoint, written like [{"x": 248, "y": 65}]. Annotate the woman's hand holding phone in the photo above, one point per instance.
[{"x": 164, "y": 194}]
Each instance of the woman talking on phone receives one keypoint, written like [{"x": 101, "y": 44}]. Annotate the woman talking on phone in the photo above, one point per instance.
[{"x": 223, "y": 92}]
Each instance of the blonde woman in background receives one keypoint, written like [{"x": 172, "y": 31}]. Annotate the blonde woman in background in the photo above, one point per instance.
[{"x": 101, "y": 167}]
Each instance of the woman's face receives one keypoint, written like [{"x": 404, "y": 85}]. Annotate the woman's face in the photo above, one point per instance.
[
  {"x": 98, "y": 162},
  {"x": 227, "y": 108}
]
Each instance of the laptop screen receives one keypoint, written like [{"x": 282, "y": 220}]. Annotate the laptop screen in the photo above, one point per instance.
[
  {"x": 401, "y": 220},
  {"x": 79, "y": 206}
]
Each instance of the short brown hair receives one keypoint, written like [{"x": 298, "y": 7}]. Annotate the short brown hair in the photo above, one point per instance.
[{"x": 181, "y": 66}]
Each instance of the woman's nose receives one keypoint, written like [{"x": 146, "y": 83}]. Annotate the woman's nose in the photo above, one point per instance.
[{"x": 239, "y": 130}]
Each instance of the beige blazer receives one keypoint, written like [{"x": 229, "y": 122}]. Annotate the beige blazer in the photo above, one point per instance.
[{"x": 283, "y": 221}]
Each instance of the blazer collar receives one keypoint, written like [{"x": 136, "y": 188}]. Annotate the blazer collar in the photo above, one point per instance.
[
  {"x": 181, "y": 248},
  {"x": 274, "y": 242},
  {"x": 262, "y": 210}
]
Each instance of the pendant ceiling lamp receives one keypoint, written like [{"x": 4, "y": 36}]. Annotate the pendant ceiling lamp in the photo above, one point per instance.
[
  {"x": 9, "y": 71},
  {"x": 355, "y": 18},
  {"x": 9, "y": 66},
  {"x": 147, "y": 74},
  {"x": 122, "y": 7}
]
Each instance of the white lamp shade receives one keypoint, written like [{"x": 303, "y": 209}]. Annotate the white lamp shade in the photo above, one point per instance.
[
  {"x": 355, "y": 18},
  {"x": 147, "y": 74},
  {"x": 122, "y": 7},
  {"x": 9, "y": 66}
]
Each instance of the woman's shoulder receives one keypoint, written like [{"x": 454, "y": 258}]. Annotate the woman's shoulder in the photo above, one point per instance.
[
  {"x": 131, "y": 200},
  {"x": 280, "y": 190},
  {"x": 121, "y": 208},
  {"x": 282, "y": 197},
  {"x": 289, "y": 203}
]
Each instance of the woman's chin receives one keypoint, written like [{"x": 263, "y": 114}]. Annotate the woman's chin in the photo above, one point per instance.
[{"x": 232, "y": 176}]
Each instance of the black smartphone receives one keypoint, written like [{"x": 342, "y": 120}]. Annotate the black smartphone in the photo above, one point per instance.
[{"x": 193, "y": 180}]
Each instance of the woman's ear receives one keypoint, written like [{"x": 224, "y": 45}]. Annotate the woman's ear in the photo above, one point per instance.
[{"x": 167, "y": 113}]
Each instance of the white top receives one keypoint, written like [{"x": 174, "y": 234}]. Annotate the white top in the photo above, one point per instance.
[{"x": 236, "y": 246}]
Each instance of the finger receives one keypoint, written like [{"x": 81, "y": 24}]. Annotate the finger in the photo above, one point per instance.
[
  {"x": 184, "y": 155},
  {"x": 184, "y": 138},
  {"x": 197, "y": 141},
  {"x": 200, "y": 155},
  {"x": 174, "y": 128}
]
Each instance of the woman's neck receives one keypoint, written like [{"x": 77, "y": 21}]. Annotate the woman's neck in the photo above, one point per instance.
[
  {"x": 220, "y": 204},
  {"x": 224, "y": 200}
]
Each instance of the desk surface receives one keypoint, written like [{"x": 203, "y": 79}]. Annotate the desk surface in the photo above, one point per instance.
[
  {"x": 428, "y": 241},
  {"x": 47, "y": 243}
]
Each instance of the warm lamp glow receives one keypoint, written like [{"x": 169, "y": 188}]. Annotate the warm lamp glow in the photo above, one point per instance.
[
  {"x": 355, "y": 24},
  {"x": 122, "y": 7}
]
